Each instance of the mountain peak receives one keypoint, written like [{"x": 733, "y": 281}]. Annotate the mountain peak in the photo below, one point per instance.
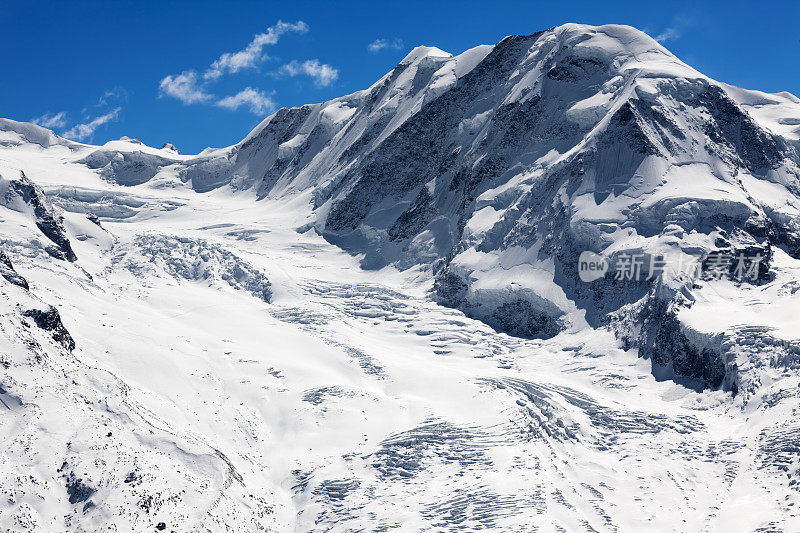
[{"x": 421, "y": 52}]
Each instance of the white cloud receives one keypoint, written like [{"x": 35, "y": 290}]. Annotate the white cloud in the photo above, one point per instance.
[
  {"x": 232, "y": 62},
  {"x": 379, "y": 44},
  {"x": 184, "y": 87},
  {"x": 258, "y": 102},
  {"x": 322, "y": 74},
  {"x": 58, "y": 120},
  {"x": 666, "y": 35},
  {"x": 83, "y": 131},
  {"x": 191, "y": 87}
]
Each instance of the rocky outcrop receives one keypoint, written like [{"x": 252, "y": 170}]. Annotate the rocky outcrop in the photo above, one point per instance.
[
  {"x": 9, "y": 274},
  {"x": 50, "y": 320},
  {"x": 23, "y": 194},
  {"x": 653, "y": 327}
]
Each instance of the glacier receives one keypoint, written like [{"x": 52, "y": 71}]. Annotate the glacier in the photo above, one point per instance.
[{"x": 369, "y": 315}]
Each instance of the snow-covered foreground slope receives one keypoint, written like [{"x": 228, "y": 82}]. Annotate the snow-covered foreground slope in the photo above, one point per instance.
[
  {"x": 184, "y": 347},
  {"x": 350, "y": 402}
]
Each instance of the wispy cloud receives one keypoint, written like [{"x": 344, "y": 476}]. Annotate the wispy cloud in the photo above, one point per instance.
[
  {"x": 193, "y": 86},
  {"x": 379, "y": 44},
  {"x": 105, "y": 110},
  {"x": 667, "y": 34},
  {"x": 57, "y": 120},
  {"x": 117, "y": 94},
  {"x": 258, "y": 102},
  {"x": 321, "y": 73},
  {"x": 232, "y": 62},
  {"x": 184, "y": 87},
  {"x": 681, "y": 23},
  {"x": 79, "y": 132}
]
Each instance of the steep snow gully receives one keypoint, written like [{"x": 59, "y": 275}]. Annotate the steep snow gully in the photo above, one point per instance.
[{"x": 549, "y": 284}]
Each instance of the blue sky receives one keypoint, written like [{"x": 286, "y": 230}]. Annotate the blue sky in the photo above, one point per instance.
[{"x": 203, "y": 74}]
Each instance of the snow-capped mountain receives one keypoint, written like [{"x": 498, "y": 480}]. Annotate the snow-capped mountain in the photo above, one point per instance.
[{"x": 380, "y": 311}]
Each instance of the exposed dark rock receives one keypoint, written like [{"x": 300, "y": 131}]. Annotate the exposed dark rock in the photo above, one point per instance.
[
  {"x": 628, "y": 125},
  {"x": 517, "y": 317},
  {"x": 757, "y": 149},
  {"x": 282, "y": 127},
  {"x": 170, "y": 147},
  {"x": 411, "y": 222},
  {"x": 573, "y": 69},
  {"x": 450, "y": 289},
  {"x": 415, "y": 151},
  {"x": 94, "y": 219},
  {"x": 78, "y": 489},
  {"x": 8, "y": 272},
  {"x": 660, "y": 338},
  {"x": 742, "y": 263},
  {"x": 50, "y": 320},
  {"x": 48, "y": 220},
  {"x": 521, "y": 318}
]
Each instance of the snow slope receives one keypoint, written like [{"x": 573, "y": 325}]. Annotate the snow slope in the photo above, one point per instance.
[{"x": 252, "y": 339}]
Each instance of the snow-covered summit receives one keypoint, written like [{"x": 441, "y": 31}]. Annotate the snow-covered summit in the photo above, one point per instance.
[{"x": 422, "y": 52}]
